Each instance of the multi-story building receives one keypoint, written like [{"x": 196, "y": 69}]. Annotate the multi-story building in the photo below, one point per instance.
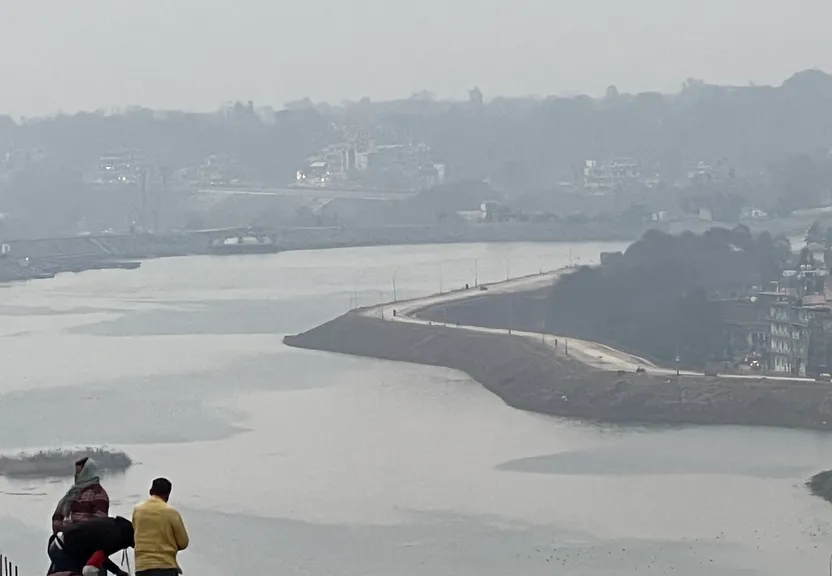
[
  {"x": 789, "y": 347},
  {"x": 403, "y": 166},
  {"x": 780, "y": 351},
  {"x": 798, "y": 315},
  {"x": 747, "y": 328},
  {"x": 610, "y": 175},
  {"x": 125, "y": 167},
  {"x": 820, "y": 334}
]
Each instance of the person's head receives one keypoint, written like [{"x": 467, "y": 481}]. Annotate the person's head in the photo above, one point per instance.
[
  {"x": 86, "y": 472},
  {"x": 79, "y": 465},
  {"x": 161, "y": 488}
]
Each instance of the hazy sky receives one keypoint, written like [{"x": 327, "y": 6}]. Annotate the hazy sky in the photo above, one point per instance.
[{"x": 196, "y": 54}]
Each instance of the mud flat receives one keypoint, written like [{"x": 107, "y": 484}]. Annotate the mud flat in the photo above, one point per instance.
[{"x": 528, "y": 375}]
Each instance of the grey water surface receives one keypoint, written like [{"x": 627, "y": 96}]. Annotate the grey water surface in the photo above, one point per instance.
[{"x": 294, "y": 462}]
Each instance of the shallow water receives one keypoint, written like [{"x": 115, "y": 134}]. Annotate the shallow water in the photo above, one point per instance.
[{"x": 297, "y": 462}]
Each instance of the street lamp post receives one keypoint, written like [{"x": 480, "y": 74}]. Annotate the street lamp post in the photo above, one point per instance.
[{"x": 677, "y": 359}]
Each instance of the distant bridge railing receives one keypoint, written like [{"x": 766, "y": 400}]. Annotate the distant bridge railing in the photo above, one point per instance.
[{"x": 7, "y": 567}]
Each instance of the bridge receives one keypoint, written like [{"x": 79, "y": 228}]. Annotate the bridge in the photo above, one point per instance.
[{"x": 312, "y": 193}]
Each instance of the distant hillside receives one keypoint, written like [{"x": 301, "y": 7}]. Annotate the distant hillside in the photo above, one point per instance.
[{"x": 771, "y": 145}]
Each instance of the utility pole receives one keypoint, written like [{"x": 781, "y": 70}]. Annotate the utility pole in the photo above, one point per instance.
[
  {"x": 143, "y": 190},
  {"x": 677, "y": 359},
  {"x": 440, "y": 279},
  {"x": 165, "y": 197},
  {"x": 394, "y": 287},
  {"x": 566, "y": 346},
  {"x": 476, "y": 278}
]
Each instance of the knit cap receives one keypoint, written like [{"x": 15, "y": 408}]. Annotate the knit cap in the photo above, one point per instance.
[{"x": 93, "y": 565}]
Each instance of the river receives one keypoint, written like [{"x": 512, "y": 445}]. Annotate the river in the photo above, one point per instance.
[{"x": 294, "y": 462}]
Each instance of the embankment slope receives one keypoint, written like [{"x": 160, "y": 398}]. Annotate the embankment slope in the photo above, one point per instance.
[{"x": 529, "y": 376}]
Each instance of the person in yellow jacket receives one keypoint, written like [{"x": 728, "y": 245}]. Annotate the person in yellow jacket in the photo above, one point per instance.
[{"x": 159, "y": 533}]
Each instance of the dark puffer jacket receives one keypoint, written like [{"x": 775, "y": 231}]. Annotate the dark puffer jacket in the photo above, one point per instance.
[{"x": 81, "y": 541}]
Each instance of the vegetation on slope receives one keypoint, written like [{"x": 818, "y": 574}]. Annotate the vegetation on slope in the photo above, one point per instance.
[
  {"x": 655, "y": 300},
  {"x": 61, "y": 462}
]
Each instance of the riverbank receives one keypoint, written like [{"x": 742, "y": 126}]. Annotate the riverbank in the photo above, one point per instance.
[
  {"x": 534, "y": 372},
  {"x": 43, "y": 258}
]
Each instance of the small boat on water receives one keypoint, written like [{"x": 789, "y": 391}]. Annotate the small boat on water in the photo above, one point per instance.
[
  {"x": 245, "y": 245},
  {"x": 117, "y": 265}
]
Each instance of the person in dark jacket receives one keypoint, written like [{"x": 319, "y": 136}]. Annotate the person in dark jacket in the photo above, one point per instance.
[
  {"x": 71, "y": 549},
  {"x": 86, "y": 498}
]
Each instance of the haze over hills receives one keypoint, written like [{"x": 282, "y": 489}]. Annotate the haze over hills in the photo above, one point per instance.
[
  {"x": 194, "y": 54},
  {"x": 714, "y": 150}
]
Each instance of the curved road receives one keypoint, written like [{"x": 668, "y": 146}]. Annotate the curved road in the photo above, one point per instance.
[{"x": 593, "y": 354}]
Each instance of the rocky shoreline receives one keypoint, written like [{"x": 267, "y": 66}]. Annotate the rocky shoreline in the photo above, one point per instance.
[{"x": 527, "y": 375}]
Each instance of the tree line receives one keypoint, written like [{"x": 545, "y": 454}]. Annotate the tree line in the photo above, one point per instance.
[
  {"x": 656, "y": 299},
  {"x": 772, "y": 143}
]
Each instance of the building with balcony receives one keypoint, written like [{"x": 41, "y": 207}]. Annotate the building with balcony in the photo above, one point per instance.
[
  {"x": 800, "y": 337},
  {"x": 784, "y": 350}
]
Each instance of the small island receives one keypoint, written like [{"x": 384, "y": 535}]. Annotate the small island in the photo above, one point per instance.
[
  {"x": 821, "y": 485},
  {"x": 60, "y": 463}
]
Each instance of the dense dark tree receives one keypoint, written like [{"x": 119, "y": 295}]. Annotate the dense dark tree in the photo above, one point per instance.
[
  {"x": 700, "y": 328},
  {"x": 815, "y": 233},
  {"x": 802, "y": 181},
  {"x": 774, "y": 252},
  {"x": 656, "y": 300}
]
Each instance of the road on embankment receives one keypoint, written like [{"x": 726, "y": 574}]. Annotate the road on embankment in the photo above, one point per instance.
[{"x": 592, "y": 354}]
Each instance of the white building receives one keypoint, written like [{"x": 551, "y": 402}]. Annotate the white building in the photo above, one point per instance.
[{"x": 610, "y": 175}]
